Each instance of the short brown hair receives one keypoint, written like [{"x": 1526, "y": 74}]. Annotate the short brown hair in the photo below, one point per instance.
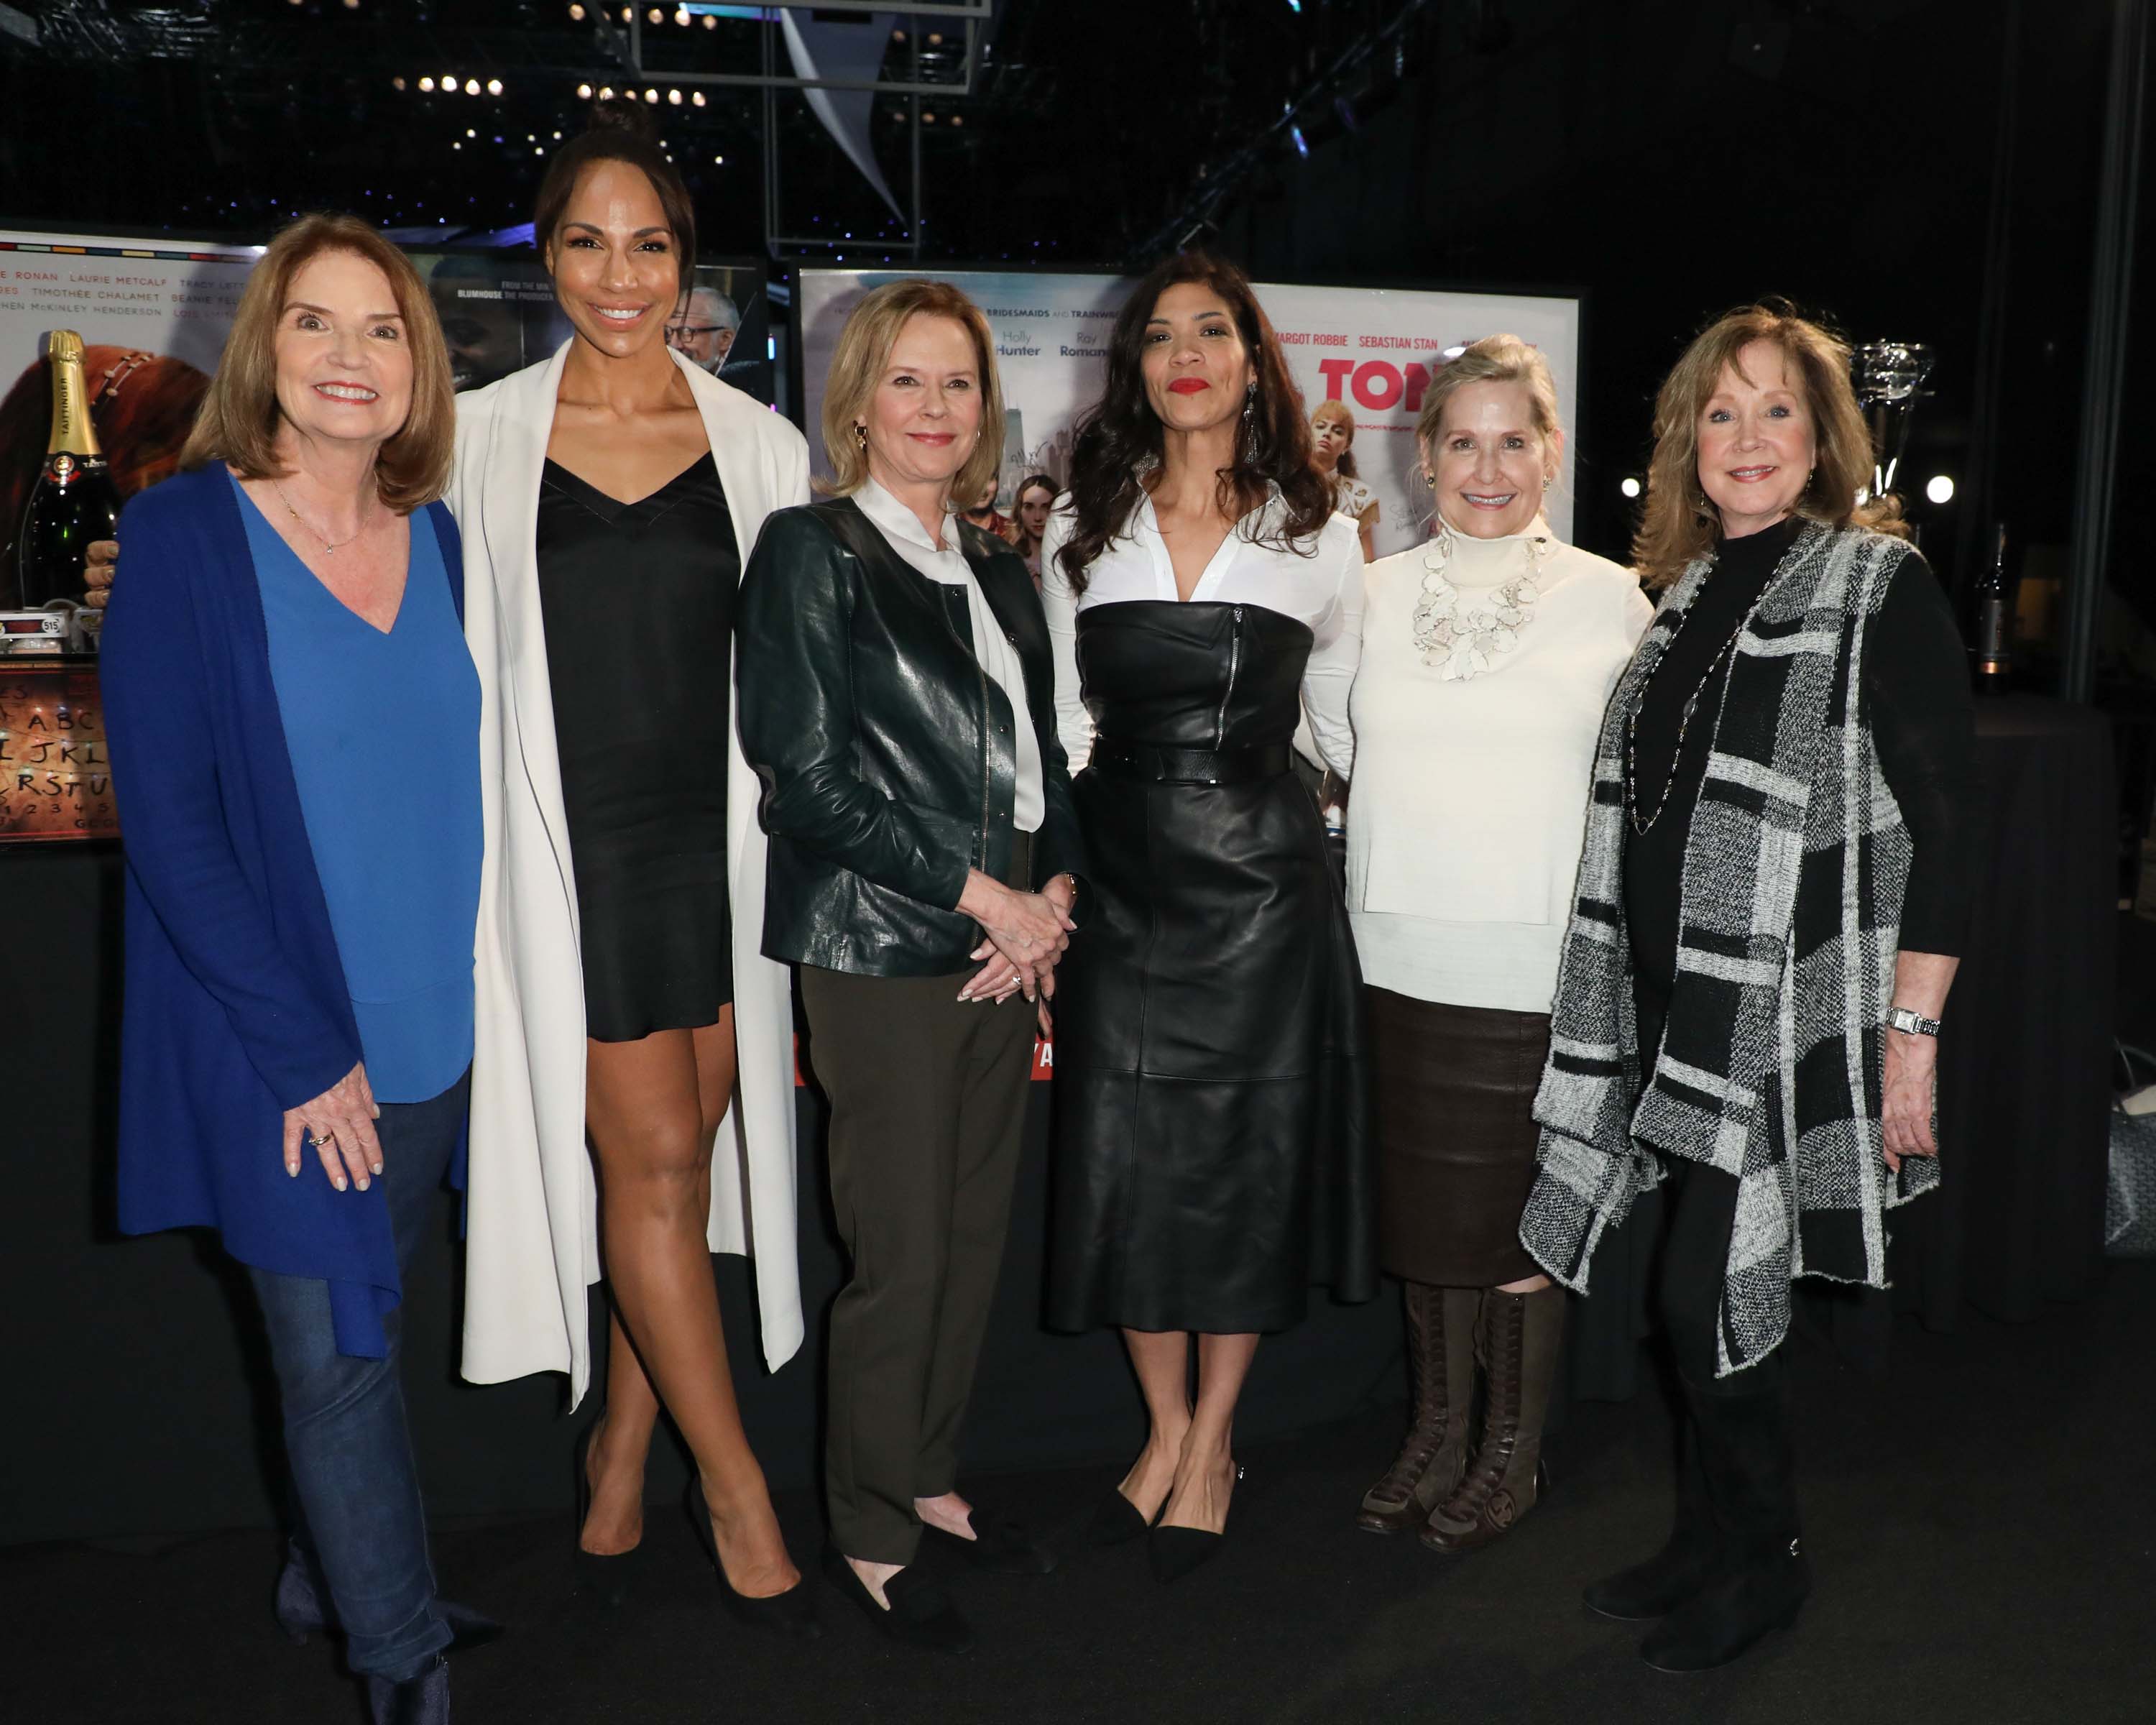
[
  {"x": 238, "y": 418},
  {"x": 617, "y": 130},
  {"x": 857, "y": 366},
  {"x": 1494, "y": 359},
  {"x": 1679, "y": 523}
]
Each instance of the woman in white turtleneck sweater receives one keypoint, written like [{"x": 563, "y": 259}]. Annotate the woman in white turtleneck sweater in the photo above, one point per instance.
[{"x": 1488, "y": 656}]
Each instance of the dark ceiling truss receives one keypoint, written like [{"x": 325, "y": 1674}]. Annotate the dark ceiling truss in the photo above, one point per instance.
[{"x": 219, "y": 34}]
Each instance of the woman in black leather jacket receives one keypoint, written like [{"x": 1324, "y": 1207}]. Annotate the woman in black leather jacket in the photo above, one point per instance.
[{"x": 897, "y": 701}]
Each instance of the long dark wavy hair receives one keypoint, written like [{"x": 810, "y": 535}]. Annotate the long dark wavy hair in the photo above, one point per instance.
[{"x": 1120, "y": 438}]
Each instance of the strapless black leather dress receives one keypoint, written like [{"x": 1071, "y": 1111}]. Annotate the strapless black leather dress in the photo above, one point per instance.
[{"x": 1213, "y": 1158}]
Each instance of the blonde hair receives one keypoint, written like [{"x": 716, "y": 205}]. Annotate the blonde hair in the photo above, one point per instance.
[
  {"x": 857, "y": 368},
  {"x": 1494, "y": 359},
  {"x": 238, "y": 421},
  {"x": 1679, "y": 523},
  {"x": 1340, "y": 411}
]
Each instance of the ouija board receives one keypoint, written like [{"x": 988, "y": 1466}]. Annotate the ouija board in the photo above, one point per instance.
[{"x": 55, "y": 781}]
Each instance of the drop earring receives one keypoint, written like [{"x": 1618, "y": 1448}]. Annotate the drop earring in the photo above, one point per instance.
[{"x": 861, "y": 436}]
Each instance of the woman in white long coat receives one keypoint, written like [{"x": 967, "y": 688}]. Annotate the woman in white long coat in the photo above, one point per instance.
[{"x": 622, "y": 895}]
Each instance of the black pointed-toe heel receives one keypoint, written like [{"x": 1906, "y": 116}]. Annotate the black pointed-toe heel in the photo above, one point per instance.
[
  {"x": 1111, "y": 1518},
  {"x": 917, "y": 1612},
  {"x": 602, "y": 1576},
  {"x": 1175, "y": 1552},
  {"x": 792, "y": 1613}
]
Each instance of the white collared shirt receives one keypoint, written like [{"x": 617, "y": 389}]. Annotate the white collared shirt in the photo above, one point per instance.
[
  {"x": 1323, "y": 591},
  {"x": 902, "y": 531}
]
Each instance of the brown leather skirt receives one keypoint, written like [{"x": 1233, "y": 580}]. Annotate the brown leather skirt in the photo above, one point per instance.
[{"x": 1454, "y": 1106}]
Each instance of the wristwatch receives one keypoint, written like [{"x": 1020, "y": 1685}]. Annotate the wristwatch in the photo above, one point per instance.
[{"x": 1902, "y": 1018}]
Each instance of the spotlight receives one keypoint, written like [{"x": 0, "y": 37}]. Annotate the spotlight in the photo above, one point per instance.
[
  {"x": 656, "y": 16},
  {"x": 351, "y": 5},
  {"x": 719, "y": 161},
  {"x": 471, "y": 131},
  {"x": 935, "y": 38},
  {"x": 651, "y": 95},
  {"x": 471, "y": 86},
  {"x": 673, "y": 98},
  {"x": 681, "y": 18},
  {"x": 494, "y": 86},
  {"x": 928, "y": 120},
  {"x": 1628, "y": 485},
  {"x": 1302, "y": 143},
  {"x": 576, "y": 13},
  {"x": 449, "y": 84},
  {"x": 427, "y": 85},
  {"x": 697, "y": 96},
  {"x": 583, "y": 92},
  {"x": 396, "y": 83},
  {"x": 710, "y": 21},
  {"x": 606, "y": 92},
  {"x": 958, "y": 120},
  {"x": 1940, "y": 489}
]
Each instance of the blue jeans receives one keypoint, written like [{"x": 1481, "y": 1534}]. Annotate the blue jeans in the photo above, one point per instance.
[{"x": 362, "y": 1527}]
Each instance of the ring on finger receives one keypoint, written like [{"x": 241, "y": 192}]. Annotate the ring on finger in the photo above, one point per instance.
[{"x": 318, "y": 1142}]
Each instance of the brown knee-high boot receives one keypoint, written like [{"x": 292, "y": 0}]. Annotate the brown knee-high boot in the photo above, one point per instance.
[
  {"x": 1441, "y": 1368},
  {"x": 1518, "y": 1340}
]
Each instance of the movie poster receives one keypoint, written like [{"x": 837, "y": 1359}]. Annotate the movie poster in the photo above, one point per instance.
[{"x": 1373, "y": 349}]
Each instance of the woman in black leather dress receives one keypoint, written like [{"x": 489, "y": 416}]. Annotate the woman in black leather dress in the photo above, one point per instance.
[{"x": 1212, "y": 1158}]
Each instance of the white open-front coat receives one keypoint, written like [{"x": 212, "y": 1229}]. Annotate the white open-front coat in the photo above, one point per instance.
[{"x": 532, "y": 1246}]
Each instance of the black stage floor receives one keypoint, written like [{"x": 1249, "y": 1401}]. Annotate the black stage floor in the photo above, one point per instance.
[{"x": 1983, "y": 1526}]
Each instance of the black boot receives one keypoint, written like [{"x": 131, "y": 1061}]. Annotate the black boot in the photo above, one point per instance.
[
  {"x": 1761, "y": 1578},
  {"x": 1441, "y": 1373},
  {"x": 1676, "y": 1572},
  {"x": 424, "y": 1700}
]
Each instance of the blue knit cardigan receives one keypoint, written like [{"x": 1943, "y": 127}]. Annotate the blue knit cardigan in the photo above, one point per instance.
[{"x": 235, "y": 1007}]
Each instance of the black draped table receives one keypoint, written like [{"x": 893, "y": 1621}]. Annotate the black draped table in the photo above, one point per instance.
[
  {"x": 2024, "y": 1088},
  {"x": 2024, "y": 1078}
]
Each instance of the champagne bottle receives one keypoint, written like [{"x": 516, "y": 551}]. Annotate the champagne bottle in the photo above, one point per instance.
[
  {"x": 73, "y": 504},
  {"x": 1994, "y": 623}
]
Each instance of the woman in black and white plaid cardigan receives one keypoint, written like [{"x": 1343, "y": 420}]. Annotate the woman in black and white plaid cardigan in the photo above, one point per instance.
[{"x": 1776, "y": 871}]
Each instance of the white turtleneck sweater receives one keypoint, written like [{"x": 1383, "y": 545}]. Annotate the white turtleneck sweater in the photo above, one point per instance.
[{"x": 1470, "y": 796}]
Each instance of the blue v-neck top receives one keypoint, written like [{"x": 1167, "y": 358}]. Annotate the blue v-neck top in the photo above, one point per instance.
[
  {"x": 235, "y": 1006},
  {"x": 382, "y": 728}
]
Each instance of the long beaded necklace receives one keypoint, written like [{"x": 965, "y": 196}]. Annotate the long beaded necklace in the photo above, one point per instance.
[{"x": 1641, "y": 828}]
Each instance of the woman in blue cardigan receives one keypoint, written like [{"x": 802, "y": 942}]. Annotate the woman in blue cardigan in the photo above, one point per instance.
[{"x": 294, "y": 722}]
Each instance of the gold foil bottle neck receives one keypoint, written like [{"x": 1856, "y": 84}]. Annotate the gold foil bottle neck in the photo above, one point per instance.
[{"x": 73, "y": 434}]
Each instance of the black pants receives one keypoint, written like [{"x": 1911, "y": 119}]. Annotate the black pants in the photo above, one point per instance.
[
  {"x": 1699, "y": 1204},
  {"x": 927, "y": 1116}
]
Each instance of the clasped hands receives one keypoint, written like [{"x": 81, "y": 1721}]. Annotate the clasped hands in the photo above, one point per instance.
[{"x": 1027, "y": 933}]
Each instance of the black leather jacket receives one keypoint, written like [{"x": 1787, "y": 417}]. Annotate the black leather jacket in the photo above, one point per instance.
[{"x": 885, "y": 752}]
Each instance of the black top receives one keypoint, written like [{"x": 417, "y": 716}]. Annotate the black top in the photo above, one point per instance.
[
  {"x": 637, "y": 600},
  {"x": 1924, "y": 721}
]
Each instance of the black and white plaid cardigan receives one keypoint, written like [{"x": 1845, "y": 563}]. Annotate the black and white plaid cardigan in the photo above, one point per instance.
[{"x": 1770, "y": 1064}]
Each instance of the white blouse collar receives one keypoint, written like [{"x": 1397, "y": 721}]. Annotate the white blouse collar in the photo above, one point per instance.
[{"x": 897, "y": 522}]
